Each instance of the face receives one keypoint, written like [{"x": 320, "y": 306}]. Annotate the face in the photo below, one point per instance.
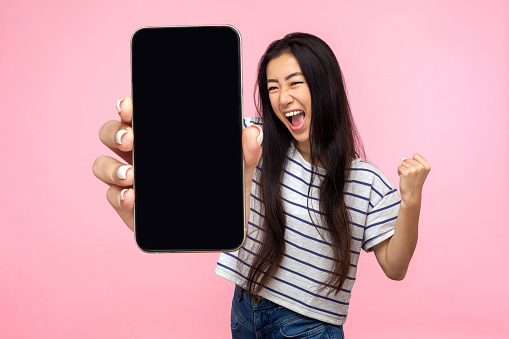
[{"x": 290, "y": 97}]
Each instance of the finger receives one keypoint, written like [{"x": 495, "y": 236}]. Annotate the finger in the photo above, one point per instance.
[
  {"x": 421, "y": 160},
  {"x": 402, "y": 170},
  {"x": 409, "y": 163},
  {"x": 113, "y": 172},
  {"x": 125, "y": 110},
  {"x": 119, "y": 138},
  {"x": 122, "y": 201}
]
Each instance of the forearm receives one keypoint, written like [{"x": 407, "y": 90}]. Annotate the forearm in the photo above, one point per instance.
[
  {"x": 401, "y": 246},
  {"x": 394, "y": 255}
]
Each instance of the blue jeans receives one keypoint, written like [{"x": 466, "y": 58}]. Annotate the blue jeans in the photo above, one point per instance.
[{"x": 255, "y": 317}]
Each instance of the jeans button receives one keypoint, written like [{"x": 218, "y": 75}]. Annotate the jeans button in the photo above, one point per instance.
[{"x": 257, "y": 299}]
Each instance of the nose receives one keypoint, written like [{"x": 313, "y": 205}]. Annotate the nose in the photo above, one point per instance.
[{"x": 285, "y": 98}]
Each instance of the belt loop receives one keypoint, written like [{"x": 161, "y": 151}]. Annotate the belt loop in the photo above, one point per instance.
[{"x": 238, "y": 292}]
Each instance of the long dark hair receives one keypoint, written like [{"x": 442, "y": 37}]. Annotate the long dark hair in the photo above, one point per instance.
[{"x": 334, "y": 142}]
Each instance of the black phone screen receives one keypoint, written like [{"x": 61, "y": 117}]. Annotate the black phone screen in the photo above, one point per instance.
[{"x": 187, "y": 153}]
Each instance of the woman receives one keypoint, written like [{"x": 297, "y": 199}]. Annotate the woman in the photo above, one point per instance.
[{"x": 314, "y": 202}]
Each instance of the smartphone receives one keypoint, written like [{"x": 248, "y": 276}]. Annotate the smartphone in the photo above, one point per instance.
[{"x": 187, "y": 152}]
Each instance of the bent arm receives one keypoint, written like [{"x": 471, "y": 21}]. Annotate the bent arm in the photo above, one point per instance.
[{"x": 395, "y": 253}]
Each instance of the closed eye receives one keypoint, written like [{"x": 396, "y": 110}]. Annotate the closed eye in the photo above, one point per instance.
[
  {"x": 272, "y": 88},
  {"x": 296, "y": 83}
]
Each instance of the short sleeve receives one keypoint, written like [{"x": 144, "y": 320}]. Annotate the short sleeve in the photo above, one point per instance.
[
  {"x": 381, "y": 218},
  {"x": 253, "y": 121}
]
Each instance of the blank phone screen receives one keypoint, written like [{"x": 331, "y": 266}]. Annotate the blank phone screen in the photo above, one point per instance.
[{"x": 187, "y": 123}]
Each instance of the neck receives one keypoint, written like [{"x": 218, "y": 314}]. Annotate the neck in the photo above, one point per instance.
[{"x": 304, "y": 149}]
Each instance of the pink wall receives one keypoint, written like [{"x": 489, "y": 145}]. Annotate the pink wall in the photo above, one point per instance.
[{"x": 429, "y": 77}]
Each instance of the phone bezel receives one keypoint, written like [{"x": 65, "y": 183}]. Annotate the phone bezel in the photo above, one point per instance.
[{"x": 243, "y": 165}]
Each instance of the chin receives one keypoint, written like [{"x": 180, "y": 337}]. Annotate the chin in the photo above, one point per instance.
[{"x": 300, "y": 138}]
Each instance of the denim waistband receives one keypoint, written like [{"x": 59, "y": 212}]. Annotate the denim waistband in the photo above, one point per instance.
[{"x": 255, "y": 301}]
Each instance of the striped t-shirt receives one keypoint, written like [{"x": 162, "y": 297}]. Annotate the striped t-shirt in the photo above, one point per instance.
[{"x": 373, "y": 204}]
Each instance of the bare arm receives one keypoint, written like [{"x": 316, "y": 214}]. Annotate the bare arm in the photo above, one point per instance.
[{"x": 395, "y": 253}]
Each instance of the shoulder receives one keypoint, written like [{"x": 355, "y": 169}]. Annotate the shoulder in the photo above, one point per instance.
[
  {"x": 253, "y": 121},
  {"x": 369, "y": 176}
]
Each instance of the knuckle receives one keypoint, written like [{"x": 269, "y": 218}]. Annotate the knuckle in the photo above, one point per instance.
[
  {"x": 101, "y": 134},
  {"x": 112, "y": 196},
  {"x": 109, "y": 193},
  {"x": 94, "y": 166},
  {"x": 104, "y": 129},
  {"x": 98, "y": 164}
]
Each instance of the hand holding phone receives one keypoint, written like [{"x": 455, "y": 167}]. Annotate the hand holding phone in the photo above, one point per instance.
[{"x": 120, "y": 193}]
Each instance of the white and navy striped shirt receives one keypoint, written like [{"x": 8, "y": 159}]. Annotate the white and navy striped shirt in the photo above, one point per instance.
[{"x": 373, "y": 204}]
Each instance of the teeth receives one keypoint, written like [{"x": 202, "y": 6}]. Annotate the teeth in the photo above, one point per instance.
[{"x": 289, "y": 114}]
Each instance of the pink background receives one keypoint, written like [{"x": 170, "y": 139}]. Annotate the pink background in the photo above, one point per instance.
[{"x": 422, "y": 76}]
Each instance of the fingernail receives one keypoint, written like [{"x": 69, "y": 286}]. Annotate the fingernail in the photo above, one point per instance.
[
  {"x": 122, "y": 172},
  {"x": 260, "y": 136},
  {"x": 118, "y": 136},
  {"x": 122, "y": 194},
  {"x": 403, "y": 159},
  {"x": 118, "y": 105}
]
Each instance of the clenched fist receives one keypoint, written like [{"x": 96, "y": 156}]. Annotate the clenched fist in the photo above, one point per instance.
[{"x": 412, "y": 174}]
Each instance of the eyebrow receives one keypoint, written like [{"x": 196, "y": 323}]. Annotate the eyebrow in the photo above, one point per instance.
[{"x": 286, "y": 77}]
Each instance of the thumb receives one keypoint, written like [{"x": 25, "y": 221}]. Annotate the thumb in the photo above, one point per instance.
[{"x": 252, "y": 138}]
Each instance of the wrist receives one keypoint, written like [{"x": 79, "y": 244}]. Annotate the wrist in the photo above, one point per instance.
[{"x": 411, "y": 199}]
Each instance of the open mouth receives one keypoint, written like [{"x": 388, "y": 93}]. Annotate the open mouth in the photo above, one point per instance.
[{"x": 296, "y": 119}]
